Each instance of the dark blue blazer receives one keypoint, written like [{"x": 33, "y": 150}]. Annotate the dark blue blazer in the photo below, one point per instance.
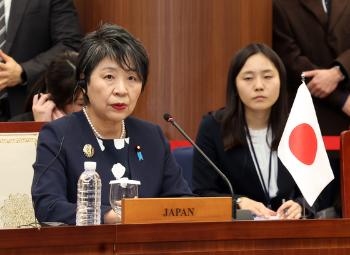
[
  {"x": 238, "y": 166},
  {"x": 60, "y": 161}
]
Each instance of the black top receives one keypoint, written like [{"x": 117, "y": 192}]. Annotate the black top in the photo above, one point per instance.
[
  {"x": 237, "y": 164},
  {"x": 27, "y": 116}
]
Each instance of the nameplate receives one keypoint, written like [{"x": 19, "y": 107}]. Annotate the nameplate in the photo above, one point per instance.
[{"x": 166, "y": 210}]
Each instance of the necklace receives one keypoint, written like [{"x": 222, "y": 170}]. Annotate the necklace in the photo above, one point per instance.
[{"x": 122, "y": 135}]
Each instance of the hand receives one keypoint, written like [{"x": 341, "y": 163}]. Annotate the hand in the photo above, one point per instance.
[
  {"x": 324, "y": 81},
  {"x": 56, "y": 114},
  {"x": 289, "y": 210},
  {"x": 255, "y": 207},
  {"x": 346, "y": 106},
  {"x": 111, "y": 217},
  {"x": 10, "y": 72},
  {"x": 43, "y": 108}
]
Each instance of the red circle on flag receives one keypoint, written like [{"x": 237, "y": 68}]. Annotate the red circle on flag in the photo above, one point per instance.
[{"x": 303, "y": 143}]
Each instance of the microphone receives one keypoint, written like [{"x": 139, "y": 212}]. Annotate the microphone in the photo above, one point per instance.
[{"x": 167, "y": 117}]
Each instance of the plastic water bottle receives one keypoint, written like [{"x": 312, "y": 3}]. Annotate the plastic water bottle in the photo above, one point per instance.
[{"x": 89, "y": 196}]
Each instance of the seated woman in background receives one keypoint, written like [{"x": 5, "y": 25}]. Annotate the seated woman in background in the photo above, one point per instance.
[
  {"x": 242, "y": 138},
  {"x": 112, "y": 69},
  {"x": 54, "y": 94}
]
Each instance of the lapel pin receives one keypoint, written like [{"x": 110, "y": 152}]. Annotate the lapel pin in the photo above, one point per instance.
[
  {"x": 88, "y": 150},
  {"x": 138, "y": 152}
]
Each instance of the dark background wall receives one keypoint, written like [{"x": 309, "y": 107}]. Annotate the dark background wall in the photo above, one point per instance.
[{"x": 190, "y": 43}]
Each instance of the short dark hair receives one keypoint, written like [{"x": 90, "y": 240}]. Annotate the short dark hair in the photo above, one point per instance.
[
  {"x": 232, "y": 117},
  {"x": 114, "y": 42},
  {"x": 59, "y": 80}
]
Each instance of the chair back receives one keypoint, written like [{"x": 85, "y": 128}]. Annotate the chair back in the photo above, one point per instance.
[
  {"x": 184, "y": 157},
  {"x": 345, "y": 172},
  {"x": 17, "y": 154}
]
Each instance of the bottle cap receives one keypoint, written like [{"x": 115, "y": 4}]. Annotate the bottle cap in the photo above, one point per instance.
[{"x": 90, "y": 166}]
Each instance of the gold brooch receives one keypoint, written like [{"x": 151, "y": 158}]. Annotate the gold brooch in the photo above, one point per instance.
[{"x": 88, "y": 150}]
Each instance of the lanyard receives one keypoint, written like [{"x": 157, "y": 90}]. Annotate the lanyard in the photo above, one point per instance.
[{"x": 266, "y": 190}]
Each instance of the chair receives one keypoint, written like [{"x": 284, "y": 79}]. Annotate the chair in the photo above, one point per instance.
[
  {"x": 18, "y": 151},
  {"x": 345, "y": 173},
  {"x": 184, "y": 157}
]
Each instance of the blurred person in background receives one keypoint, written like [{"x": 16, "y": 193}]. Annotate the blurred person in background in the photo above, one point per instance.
[
  {"x": 32, "y": 34},
  {"x": 312, "y": 37},
  {"x": 55, "y": 93}
]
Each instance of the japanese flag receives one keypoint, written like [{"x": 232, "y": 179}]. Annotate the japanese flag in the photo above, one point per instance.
[{"x": 302, "y": 150}]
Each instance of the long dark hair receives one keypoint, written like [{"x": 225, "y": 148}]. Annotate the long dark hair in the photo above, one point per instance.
[{"x": 232, "y": 117}]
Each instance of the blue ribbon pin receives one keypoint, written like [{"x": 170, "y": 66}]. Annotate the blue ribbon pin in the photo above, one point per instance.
[{"x": 138, "y": 153}]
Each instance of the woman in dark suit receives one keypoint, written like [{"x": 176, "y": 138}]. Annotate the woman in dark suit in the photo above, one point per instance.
[
  {"x": 243, "y": 137},
  {"x": 112, "y": 69}
]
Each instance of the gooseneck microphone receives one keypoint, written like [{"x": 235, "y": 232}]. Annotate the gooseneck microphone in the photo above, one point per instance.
[{"x": 167, "y": 117}]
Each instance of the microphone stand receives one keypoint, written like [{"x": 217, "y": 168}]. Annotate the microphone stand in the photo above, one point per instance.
[{"x": 170, "y": 119}]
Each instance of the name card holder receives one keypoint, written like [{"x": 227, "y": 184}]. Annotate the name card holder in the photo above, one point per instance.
[{"x": 167, "y": 210}]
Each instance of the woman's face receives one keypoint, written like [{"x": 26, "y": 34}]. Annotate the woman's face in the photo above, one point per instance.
[
  {"x": 258, "y": 84},
  {"x": 112, "y": 92}
]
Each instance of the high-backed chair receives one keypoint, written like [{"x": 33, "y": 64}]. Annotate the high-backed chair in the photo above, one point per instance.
[
  {"x": 345, "y": 172},
  {"x": 183, "y": 156},
  {"x": 17, "y": 154}
]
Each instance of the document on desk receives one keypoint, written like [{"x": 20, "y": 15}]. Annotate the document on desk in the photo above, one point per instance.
[{"x": 276, "y": 217}]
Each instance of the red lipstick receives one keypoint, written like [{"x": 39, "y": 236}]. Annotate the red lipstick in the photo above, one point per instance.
[{"x": 119, "y": 106}]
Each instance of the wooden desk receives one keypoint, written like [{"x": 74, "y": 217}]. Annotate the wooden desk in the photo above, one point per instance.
[
  {"x": 59, "y": 240},
  {"x": 275, "y": 237}
]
